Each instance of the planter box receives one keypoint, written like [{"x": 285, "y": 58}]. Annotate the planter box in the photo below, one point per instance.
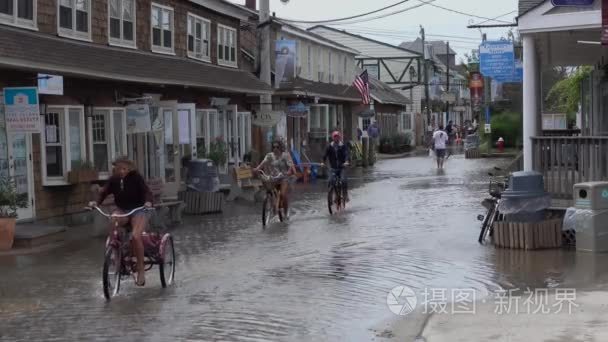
[
  {"x": 7, "y": 233},
  {"x": 472, "y": 154},
  {"x": 197, "y": 203},
  {"x": 82, "y": 176},
  {"x": 537, "y": 235}
]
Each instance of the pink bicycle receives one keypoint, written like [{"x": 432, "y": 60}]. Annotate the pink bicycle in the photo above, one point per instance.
[{"x": 120, "y": 261}]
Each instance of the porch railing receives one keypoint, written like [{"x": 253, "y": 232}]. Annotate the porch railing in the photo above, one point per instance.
[{"x": 565, "y": 161}]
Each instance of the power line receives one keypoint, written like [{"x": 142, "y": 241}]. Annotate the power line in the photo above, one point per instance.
[
  {"x": 380, "y": 16},
  {"x": 410, "y": 34},
  {"x": 404, "y": 36},
  {"x": 347, "y": 18},
  {"x": 500, "y": 16},
  {"x": 462, "y": 13}
]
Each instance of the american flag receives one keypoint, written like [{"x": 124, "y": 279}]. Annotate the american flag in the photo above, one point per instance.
[{"x": 362, "y": 84}]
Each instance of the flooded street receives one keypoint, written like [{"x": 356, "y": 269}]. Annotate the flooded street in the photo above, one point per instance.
[{"x": 316, "y": 278}]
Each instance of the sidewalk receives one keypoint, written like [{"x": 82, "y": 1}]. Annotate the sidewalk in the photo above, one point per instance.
[{"x": 510, "y": 320}]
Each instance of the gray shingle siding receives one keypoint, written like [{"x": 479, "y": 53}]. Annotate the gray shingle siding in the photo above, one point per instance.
[{"x": 527, "y": 5}]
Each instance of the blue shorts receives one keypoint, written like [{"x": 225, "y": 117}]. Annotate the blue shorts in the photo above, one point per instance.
[{"x": 440, "y": 152}]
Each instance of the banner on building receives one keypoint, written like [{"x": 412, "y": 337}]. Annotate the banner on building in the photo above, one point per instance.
[
  {"x": 22, "y": 110},
  {"x": 604, "y": 22},
  {"x": 497, "y": 59},
  {"x": 285, "y": 62},
  {"x": 138, "y": 119},
  {"x": 476, "y": 87}
]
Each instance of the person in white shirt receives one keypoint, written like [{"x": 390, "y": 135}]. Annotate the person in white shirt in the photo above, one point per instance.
[{"x": 440, "y": 140}]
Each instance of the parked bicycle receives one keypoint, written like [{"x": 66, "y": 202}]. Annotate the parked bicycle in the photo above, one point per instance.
[
  {"x": 273, "y": 205},
  {"x": 498, "y": 184},
  {"x": 120, "y": 261}
]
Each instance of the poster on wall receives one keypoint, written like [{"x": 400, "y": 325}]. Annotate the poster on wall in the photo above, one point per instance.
[
  {"x": 138, "y": 119},
  {"x": 22, "y": 110},
  {"x": 285, "y": 61}
]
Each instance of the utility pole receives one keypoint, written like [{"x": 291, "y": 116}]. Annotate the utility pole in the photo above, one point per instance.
[
  {"x": 426, "y": 78},
  {"x": 265, "y": 76},
  {"x": 447, "y": 103}
]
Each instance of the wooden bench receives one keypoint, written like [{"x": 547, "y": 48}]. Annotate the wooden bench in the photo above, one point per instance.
[
  {"x": 244, "y": 185},
  {"x": 167, "y": 209}
]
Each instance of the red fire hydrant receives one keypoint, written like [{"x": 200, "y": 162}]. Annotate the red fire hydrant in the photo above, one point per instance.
[{"x": 501, "y": 145}]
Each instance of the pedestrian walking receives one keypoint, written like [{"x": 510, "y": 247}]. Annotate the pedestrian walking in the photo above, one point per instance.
[{"x": 440, "y": 141}]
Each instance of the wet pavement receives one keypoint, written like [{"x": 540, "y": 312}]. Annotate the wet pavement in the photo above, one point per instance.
[{"x": 316, "y": 278}]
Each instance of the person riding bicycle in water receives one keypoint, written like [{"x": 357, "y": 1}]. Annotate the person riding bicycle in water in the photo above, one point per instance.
[
  {"x": 339, "y": 158},
  {"x": 278, "y": 162},
  {"x": 130, "y": 191}
]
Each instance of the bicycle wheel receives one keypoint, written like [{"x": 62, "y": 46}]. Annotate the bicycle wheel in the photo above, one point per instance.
[
  {"x": 267, "y": 210},
  {"x": 166, "y": 267},
  {"x": 111, "y": 272},
  {"x": 490, "y": 228},
  {"x": 484, "y": 225},
  {"x": 332, "y": 200}
]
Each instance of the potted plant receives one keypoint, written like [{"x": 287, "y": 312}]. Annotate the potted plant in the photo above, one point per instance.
[
  {"x": 82, "y": 172},
  {"x": 10, "y": 201},
  {"x": 218, "y": 152}
]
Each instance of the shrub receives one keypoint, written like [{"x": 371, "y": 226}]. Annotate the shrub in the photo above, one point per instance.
[{"x": 507, "y": 125}]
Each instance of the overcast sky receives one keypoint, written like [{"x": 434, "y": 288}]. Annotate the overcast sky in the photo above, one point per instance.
[{"x": 406, "y": 26}]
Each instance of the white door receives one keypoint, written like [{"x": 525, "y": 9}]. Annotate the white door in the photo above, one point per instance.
[
  {"x": 231, "y": 130},
  {"x": 21, "y": 169},
  {"x": 186, "y": 113},
  {"x": 170, "y": 162},
  {"x": 244, "y": 133}
]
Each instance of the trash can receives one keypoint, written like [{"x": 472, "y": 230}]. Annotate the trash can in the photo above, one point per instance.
[
  {"x": 202, "y": 176},
  {"x": 525, "y": 199},
  {"x": 588, "y": 217}
]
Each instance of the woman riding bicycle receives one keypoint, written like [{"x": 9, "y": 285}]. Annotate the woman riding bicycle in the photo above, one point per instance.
[
  {"x": 278, "y": 162},
  {"x": 130, "y": 191}
]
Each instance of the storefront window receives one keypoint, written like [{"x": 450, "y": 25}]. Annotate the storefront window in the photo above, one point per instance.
[
  {"x": 107, "y": 137},
  {"x": 169, "y": 150},
  {"x": 54, "y": 144}
]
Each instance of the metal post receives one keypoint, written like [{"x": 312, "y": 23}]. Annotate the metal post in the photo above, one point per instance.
[
  {"x": 447, "y": 103},
  {"x": 265, "y": 68},
  {"x": 426, "y": 77}
]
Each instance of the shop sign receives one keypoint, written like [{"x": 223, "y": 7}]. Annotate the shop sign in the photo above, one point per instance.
[
  {"x": 488, "y": 128},
  {"x": 22, "y": 110},
  {"x": 298, "y": 110},
  {"x": 267, "y": 119},
  {"x": 559, "y": 3},
  {"x": 497, "y": 59},
  {"x": 138, "y": 119},
  {"x": 50, "y": 84}
]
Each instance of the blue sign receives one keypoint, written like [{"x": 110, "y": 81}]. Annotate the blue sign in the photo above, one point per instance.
[
  {"x": 22, "y": 112},
  {"x": 516, "y": 77},
  {"x": 488, "y": 114},
  {"x": 497, "y": 59},
  {"x": 298, "y": 110},
  {"x": 558, "y": 3}
]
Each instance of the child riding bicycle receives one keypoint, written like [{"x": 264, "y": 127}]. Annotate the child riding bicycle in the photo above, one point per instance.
[{"x": 130, "y": 191}]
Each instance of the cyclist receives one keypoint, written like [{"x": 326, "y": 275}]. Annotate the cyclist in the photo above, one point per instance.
[
  {"x": 278, "y": 162},
  {"x": 339, "y": 157},
  {"x": 130, "y": 191}
]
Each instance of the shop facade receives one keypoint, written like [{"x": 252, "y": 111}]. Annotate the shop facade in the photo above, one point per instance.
[{"x": 185, "y": 80}]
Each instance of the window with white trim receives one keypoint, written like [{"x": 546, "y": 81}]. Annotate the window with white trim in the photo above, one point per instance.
[
  {"x": 206, "y": 129},
  {"x": 162, "y": 29},
  {"x": 18, "y": 12},
  {"x": 107, "y": 138},
  {"x": 63, "y": 147},
  {"x": 122, "y": 22},
  {"x": 199, "y": 33},
  {"x": 226, "y": 45},
  {"x": 406, "y": 121},
  {"x": 75, "y": 18}
]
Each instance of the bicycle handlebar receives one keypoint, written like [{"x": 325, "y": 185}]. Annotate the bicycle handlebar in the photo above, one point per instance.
[{"x": 118, "y": 215}]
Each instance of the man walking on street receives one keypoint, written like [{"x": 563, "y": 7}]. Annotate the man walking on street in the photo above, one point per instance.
[{"x": 440, "y": 140}]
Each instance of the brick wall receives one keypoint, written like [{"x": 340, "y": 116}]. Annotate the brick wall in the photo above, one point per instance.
[{"x": 47, "y": 23}]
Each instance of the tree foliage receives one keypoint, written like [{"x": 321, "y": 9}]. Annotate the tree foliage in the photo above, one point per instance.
[{"x": 565, "y": 95}]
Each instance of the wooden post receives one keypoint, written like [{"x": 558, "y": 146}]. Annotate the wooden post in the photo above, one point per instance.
[{"x": 365, "y": 144}]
